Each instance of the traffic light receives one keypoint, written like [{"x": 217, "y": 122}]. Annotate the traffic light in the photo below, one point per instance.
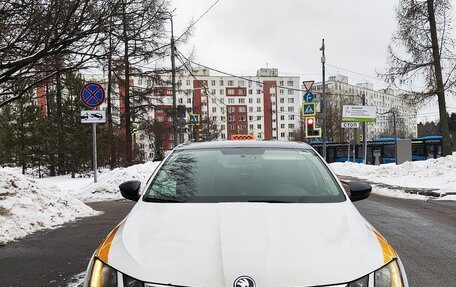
[{"x": 311, "y": 130}]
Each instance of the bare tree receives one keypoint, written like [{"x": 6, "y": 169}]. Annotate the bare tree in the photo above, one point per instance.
[
  {"x": 36, "y": 32},
  {"x": 422, "y": 50}
]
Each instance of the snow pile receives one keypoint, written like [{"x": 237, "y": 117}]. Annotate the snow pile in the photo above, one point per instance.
[
  {"x": 438, "y": 174},
  {"x": 27, "y": 205},
  {"x": 107, "y": 186}
]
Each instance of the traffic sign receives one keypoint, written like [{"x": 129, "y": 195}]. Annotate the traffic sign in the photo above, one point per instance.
[
  {"x": 92, "y": 95},
  {"x": 308, "y": 97},
  {"x": 350, "y": 125},
  {"x": 308, "y": 85},
  {"x": 194, "y": 119},
  {"x": 309, "y": 109},
  {"x": 90, "y": 117},
  {"x": 359, "y": 113}
]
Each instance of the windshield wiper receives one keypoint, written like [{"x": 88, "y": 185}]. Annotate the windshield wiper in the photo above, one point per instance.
[
  {"x": 154, "y": 199},
  {"x": 270, "y": 201}
]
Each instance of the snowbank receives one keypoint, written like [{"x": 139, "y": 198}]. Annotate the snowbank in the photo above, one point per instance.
[
  {"x": 438, "y": 174},
  {"x": 107, "y": 187},
  {"x": 27, "y": 205},
  {"x": 108, "y": 181}
]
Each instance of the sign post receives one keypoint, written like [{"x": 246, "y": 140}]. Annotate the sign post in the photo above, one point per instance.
[{"x": 93, "y": 95}]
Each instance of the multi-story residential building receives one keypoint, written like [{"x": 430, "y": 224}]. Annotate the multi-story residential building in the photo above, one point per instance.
[
  {"x": 266, "y": 106},
  {"x": 387, "y": 102}
]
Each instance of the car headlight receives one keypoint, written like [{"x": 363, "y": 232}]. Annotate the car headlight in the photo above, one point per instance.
[
  {"x": 102, "y": 275},
  {"x": 388, "y": 276}
]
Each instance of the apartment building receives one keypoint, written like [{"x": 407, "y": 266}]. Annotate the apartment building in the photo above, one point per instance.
[
  {"x": 387, "y": 102},
  {"x": 266, "y": 106}
]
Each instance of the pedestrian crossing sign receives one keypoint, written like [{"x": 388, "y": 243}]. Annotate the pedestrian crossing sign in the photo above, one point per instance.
[
  {"x": 194, "y": 119},
  {"x": 309, "y": 109}
]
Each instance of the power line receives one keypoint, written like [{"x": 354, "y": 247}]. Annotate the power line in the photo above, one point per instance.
[
  {"x": 235, "y": 76},
  {"x": 350, "y": 71},
  {"x": 197, "y": 20}
]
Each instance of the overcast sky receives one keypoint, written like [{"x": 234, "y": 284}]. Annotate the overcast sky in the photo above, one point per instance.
[{"x": 241, "y": 36}]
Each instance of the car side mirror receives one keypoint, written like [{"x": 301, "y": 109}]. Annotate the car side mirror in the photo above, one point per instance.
[
  {"x": 359, "y": 190},
  {"x": 130, "y": 189}
]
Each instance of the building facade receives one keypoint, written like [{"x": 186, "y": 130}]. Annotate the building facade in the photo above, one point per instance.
[
  {"x": 266, "y": 106},
  {"x": 393, "y": 107}
]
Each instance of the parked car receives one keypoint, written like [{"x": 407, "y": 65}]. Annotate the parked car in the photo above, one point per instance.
[{"x": 244, "y": 214}]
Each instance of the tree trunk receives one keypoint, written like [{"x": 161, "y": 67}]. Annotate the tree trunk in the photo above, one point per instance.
[
  {"x": 128, "y": 143},
  {"x": 439, "y": 80}
]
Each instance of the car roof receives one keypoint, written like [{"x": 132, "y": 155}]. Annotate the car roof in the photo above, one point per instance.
[{"x": 244, "y": 144}]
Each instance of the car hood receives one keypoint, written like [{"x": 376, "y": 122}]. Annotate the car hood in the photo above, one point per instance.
[{"x": 212, "y": 244}]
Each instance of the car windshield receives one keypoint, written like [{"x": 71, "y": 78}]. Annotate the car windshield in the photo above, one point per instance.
[{"x": 244, "y": 175}]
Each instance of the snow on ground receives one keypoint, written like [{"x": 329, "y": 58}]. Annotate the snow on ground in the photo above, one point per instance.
[
  {"x": 27, "y": 205},
  {"x": 108, "y": 181},
  {"x": 437, "y": 174}
]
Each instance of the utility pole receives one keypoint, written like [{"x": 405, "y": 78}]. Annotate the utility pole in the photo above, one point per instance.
[
  {"x": 173, "y": 80},
  {"x": 364, "y": 135},
  {"x": 323, "y": 97}
]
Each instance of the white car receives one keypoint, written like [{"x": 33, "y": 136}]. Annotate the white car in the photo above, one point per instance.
[{"x": 244, "y": 214}]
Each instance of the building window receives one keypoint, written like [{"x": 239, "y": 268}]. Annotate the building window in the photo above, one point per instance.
[
  {"x": 282, "y": 135},
  {"x": 282, "y": 109},
  {"x": 291, "y": 117},
  {"x": 242, "y": 109},
  {"x": 214, "y": 109},
  {"x": 241, "y": 92},
  {"x": 291, "y": 109},
  {"x": 230, "y": 92},
  {"x": 291, "y": 126},
  {"x": 213, "y": 91},
  {"x": 282, "y": 100},
  {"x": 230, "y": 101},
  {"x": 250, "y": 127},
  {"x": 222, "y": 92},
  {"x": 258, "y": 100},
  {"x": 213, "y": 100},
  {"x": 231, "y": 127},
  {"x": 222, "y": 127},
  {"x": 181, "y": 101},
  {"x": 187, "y": 82},
  {"x": 281, "y": 83},
  {"x": 241, "y": 83},
  {"x": 291, "y": 100},
  {"x": 250, "y": 109},
  {"x": 281, "y": 91},
  {"x": 290, "y": 92},
  {"x": 242, "y": 118},
  {"x": 222, "y": 100},
  {"x": 258, "y": 92},
  {"x": 171, "y": 146},
  {"x": 189, "y": 100},
  {"x": 250, "y": 101},
  {"x": 250, "y": 118},
  {"x": 291, "y": 134},
  {"x": 213, "y": 83},
  {"x": 290, "y": 83},
  {"x": 259, "y": 109},
  {"x": 259, "y": 126},
  {"x": 282, "y": 117},
  {"x": 221, "y": 83},
  {"x": 250, "y": 92},
  {"x": 282, "y": 126},
  {"x": 231, "y": 110},
  {"x": 230, "y": 83},
  {"x": 222, "y": 135},
  {"x": 258, "y": 118},
  {"x": 231, "y": 118}
]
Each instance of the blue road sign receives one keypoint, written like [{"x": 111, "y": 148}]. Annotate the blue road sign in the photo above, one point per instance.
[
  {"x": 308, "y": 97},
  {"x": 194, "y": 119},
  {"x": 92, "y": 95},
  {"x": 309, "y": 109}
]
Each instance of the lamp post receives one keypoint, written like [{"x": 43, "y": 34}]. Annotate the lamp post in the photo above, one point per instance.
[{"x": 173, "y": 80}]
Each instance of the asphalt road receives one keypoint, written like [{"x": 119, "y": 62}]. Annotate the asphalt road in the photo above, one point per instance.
[{"x": 423, "y": 233}]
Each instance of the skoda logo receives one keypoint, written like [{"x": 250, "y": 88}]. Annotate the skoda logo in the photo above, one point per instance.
[{"x": 244, "y": 281}]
